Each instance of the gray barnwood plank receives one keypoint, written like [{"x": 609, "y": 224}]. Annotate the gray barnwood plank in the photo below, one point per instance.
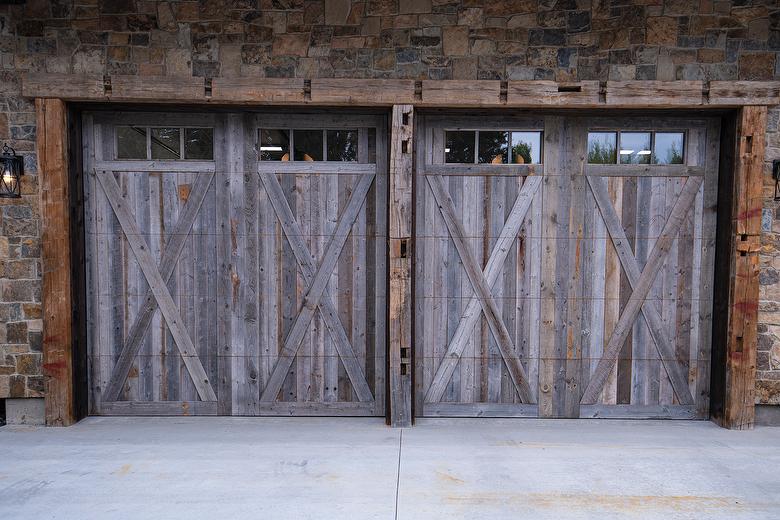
[
  {"x": 160, "y": 408},
  {"x": 481, "y": 410},
  {"x": 575, "y": 304},
  {"x": 167, "y": 264},
  {"x": 640, "y": 337},
  {"x": 480, "y": 286},
  {"x": 224, "y": 279},
  {"x": 642, "y": 285},
  {"x": 709, "y": 196},
  {"x": 493, "y": 268},
  {"x": 611, "y": 290},
  {"x": 381, "y": 300},
  {"x": 156, "y": 283},
  {"x": 554, "y": 139}
]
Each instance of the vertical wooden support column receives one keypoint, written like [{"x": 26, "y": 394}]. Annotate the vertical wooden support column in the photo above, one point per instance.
[
  {"x": 739, "y": 402},
  {"x": 400, "y": 324},
  {"x": 52, "y": 147}
]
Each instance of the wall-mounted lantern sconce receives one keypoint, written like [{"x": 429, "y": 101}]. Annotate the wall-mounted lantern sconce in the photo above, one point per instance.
[{"x": 11, "y": 166}]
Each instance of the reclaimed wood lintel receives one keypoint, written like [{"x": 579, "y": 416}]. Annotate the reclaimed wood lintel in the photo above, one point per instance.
[{"x": 388, "y": 92}]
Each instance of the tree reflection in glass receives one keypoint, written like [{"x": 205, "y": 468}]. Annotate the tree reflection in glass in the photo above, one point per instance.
[
  {"x": 342, "y": 145},
  {"x": 493, "y": 147},
  {"x": 274, "y": 145},
  {"x": 459, "y": 146},
  {"x": 634, "y": 147},
  {"x": 668, "y": 148},
  {"x": 602, "y": 147},
  {"x": 526, "y": 147},
  {"x": 199, "y": 143}
]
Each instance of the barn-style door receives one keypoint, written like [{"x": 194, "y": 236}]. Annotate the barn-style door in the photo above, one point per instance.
[
  {"x": 477, "y": 268},
  {"x": 564, "y": 266},
  {"x": 236, "y": 263}
]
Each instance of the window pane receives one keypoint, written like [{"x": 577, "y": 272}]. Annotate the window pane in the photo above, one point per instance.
[
  {"x": 342, "y": 145},
  {"x": 274, "y": 145},
  {"x": 634, "y": 147},
  {"x": 493, "y": 147},
  {"x": 199, "y": 143},
  {"x": 130, "y": 142},
  {"x": 165, "y": 143},
  {"x": 459, "y": 147},
  {"x": 308, "y": 145},
  {"x": 668, "y": 148},
  {"x": 602, "y": 147},
  {"x": 526, "y": 147}
]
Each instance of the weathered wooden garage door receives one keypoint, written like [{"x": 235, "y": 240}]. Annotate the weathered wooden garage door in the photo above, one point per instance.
[
  {"x": 236, "y": 263},
  {"x": 564, "y": 266}
]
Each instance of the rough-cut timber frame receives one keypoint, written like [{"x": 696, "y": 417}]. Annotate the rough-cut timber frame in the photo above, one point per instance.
[
  {"x": 740, "y": 374},
  {"x": 400, "y": 306},
  {"x": 53, "y": 90},
  {"x": 58, "y": 362}
]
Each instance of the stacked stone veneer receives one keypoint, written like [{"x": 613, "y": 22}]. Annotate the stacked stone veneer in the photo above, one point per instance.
[{"x": 437, "y": 39}]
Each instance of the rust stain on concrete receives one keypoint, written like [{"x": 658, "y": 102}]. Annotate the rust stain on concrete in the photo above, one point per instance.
[
  {"x": 124, "y": 470},
  {"x": 601, "y": 502},
  {"x": 446, "y": 477}
]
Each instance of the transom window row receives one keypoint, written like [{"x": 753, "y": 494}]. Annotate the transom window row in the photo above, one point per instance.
[
  {"x": 335, "y": 145},
  {"x": 143, "y": 142},
  {"x": 493, "y": 147},
  {"x": 631, "y": 147},
  {"x": 175, "y": 143}
]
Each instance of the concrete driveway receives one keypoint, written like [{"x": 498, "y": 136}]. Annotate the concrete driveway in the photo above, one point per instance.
[{"x": 350, "y": 469}]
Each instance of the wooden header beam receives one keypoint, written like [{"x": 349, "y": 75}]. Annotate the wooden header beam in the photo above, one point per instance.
[{"x": 388, "y": 92}]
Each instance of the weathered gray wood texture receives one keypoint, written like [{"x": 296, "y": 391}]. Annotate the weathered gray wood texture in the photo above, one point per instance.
[
  {"x": 604, "y": 283},
  {"x": 275, "y": 277}
]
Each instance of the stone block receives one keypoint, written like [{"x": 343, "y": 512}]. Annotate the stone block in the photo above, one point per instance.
[
  {"x": 414, "y": 6},
  {"x": 336, "y": 11},
  {"x": 662, "y": 31},
  {"x": 25, "y": 411},
  {"x": 290, "y": 44},
  {"x": 16, "y": 332},
  {"x": 757, "y": 66},
  {"x": 455, "y": 41}
]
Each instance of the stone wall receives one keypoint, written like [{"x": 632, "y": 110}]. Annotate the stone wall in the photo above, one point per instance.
[{"x": 438, "y": 39}]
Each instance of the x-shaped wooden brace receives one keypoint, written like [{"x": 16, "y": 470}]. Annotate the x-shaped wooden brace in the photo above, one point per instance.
[
  {"x": 317, "y": 280},
  {"x": 157, "y": 278},
  {"x": 641, "y": 284},
  {"x": 482, "y": 282}
]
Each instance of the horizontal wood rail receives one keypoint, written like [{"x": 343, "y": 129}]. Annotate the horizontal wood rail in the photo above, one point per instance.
[{"x": 388, "y": 92}]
